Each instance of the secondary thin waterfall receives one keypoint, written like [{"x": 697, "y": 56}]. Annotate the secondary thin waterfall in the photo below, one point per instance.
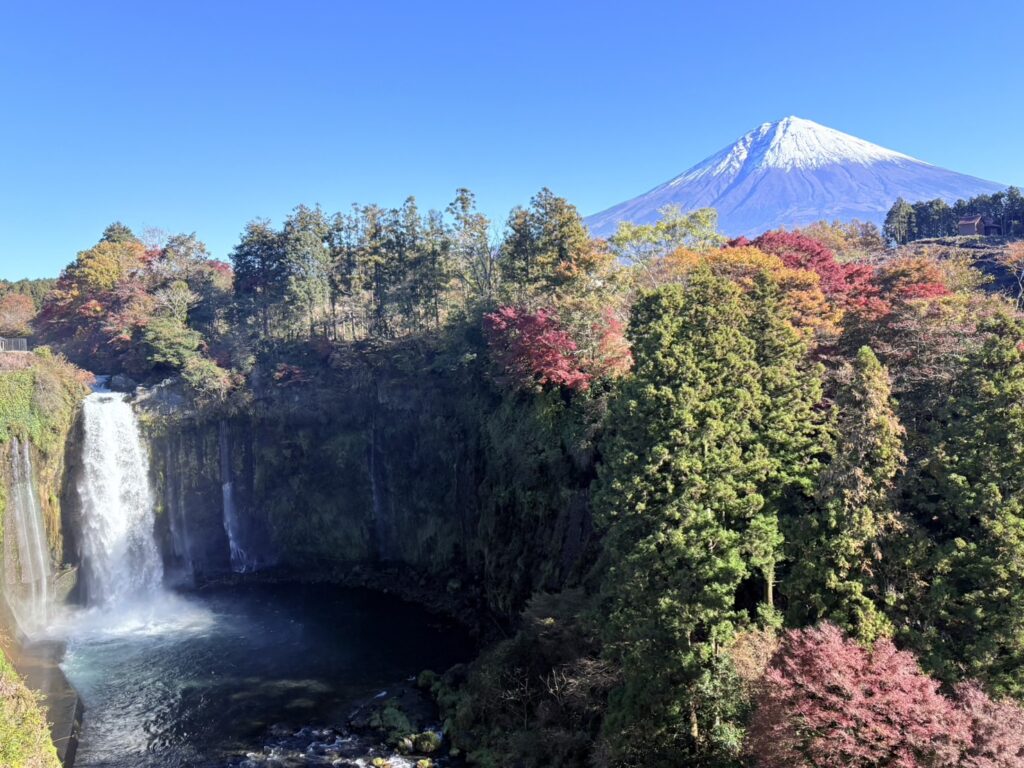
[
  {"x": 120, "y": 555},
  {"x": 25, "y": 550},
  {"x": 181, "y": 541},
  {"x": 241, "y": 560}
]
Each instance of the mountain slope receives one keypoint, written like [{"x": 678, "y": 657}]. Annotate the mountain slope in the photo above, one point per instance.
[{"x": 793, "y": 172}]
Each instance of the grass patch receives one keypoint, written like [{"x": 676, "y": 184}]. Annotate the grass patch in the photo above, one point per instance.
[{"x": 24, "y": 735}]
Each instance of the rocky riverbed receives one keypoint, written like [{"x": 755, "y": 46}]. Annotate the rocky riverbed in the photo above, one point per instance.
[{"x": 398, "y": 728}]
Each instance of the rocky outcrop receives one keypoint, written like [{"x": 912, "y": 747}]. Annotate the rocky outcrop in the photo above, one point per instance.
[{"x": 121, "y": 383}]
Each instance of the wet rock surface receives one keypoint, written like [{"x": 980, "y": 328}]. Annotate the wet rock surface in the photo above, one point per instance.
[
  {"x": 397, "y": 728},
  {"x": 122, "y": 383}
]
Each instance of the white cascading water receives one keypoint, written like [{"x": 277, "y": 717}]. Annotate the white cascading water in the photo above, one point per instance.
[
  {"x": 120, "y": 555},
  {"x": 181, "y": 541},
  {"x": 26, "y": 552},
  {"x": 241, "y": 560}
]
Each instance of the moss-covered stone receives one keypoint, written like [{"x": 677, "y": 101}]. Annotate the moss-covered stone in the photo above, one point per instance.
[
  {"x": 427, "y": 742},
  {"x": 392, "y": 722}
]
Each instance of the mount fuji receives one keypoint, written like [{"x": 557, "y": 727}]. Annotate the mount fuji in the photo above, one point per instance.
[{"x": 791, "y": 173}]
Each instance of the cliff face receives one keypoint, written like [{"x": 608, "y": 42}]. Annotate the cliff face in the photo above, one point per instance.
[
  {"x": 433, "y": 472},
  {"x": 39, "y": 404}
]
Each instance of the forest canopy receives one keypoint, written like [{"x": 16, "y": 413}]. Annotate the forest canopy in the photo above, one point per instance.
[{"x": 802, "y": 466}]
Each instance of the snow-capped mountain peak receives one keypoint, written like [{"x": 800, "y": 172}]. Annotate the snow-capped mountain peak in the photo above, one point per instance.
[
  {"x": 788, "y": 144},
  {"x": 790, "y": 173}
]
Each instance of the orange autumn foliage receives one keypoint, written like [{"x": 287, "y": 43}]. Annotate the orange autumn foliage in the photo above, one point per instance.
[{"x": 810, "y": 311}]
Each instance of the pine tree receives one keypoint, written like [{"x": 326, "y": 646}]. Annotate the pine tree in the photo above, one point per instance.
[
  {"x": 840, "y": 557},
  {"x": 118, "y": 233},
  {"x": 900, "y": 224},
  {"x": 261, "y": 274}
]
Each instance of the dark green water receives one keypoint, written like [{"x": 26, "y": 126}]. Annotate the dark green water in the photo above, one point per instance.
[{"x": 193, "y": 680}]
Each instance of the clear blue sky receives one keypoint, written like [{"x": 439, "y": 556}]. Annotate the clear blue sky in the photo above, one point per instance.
[{"x": 199, "y": 116}]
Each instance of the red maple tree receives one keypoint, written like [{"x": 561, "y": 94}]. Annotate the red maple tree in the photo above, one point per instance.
[
  {"x": 912, "y": 278},
  {"x": 16, "y": 313},
  {"x": 850, "y": 286},
  {"x": 827, "y": 701},
  {"x": 613, "y": 356},
  {"x": 533, "y": 349}
]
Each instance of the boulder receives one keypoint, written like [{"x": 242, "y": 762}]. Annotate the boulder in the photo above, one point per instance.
[{"x": 122, "y": 383}]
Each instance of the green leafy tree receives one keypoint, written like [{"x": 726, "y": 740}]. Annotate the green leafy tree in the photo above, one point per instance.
[
  {"x": 170, "y": 342},
  {"x": 261, "y": 275},
  {"x": 643, "y": 245},
  {"x": 548, "y": 250}
]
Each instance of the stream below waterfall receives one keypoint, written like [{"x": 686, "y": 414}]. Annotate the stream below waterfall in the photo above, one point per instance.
[{"x": 196, "y": 680}]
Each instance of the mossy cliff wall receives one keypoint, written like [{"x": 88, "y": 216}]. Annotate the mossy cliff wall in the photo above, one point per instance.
[
  {"x": 40, "y": 397},
  {"x": 433, "y": 470},
  {"x": 39, "y": 403}
]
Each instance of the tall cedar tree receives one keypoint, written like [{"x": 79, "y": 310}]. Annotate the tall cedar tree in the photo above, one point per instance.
[
  {"x": 306, "y": 235},
  {"x": 678, "y": 484},
  {"x": 841, "y": 553},
  {"x": 973, "y": 506},
  {"x": 900, "y": 223},
  {"x": 261, "y": 275},
  {"x": 792, "y": 428},
  {"x": 547, "y": 251}
]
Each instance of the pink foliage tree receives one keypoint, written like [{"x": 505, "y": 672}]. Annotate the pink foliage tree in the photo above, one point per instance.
[
  {"x": 997, "y": 729},
  {"x": 533, "y": 349},
  {"x": 826, "y": 701}
]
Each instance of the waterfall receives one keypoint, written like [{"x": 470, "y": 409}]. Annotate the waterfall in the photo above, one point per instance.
[
  {"x": 181, "y": 541},
  {"x": 242, "y": 561},
  {"x": 121, "y": 559},
  {"x": 25, "y": 550}
]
